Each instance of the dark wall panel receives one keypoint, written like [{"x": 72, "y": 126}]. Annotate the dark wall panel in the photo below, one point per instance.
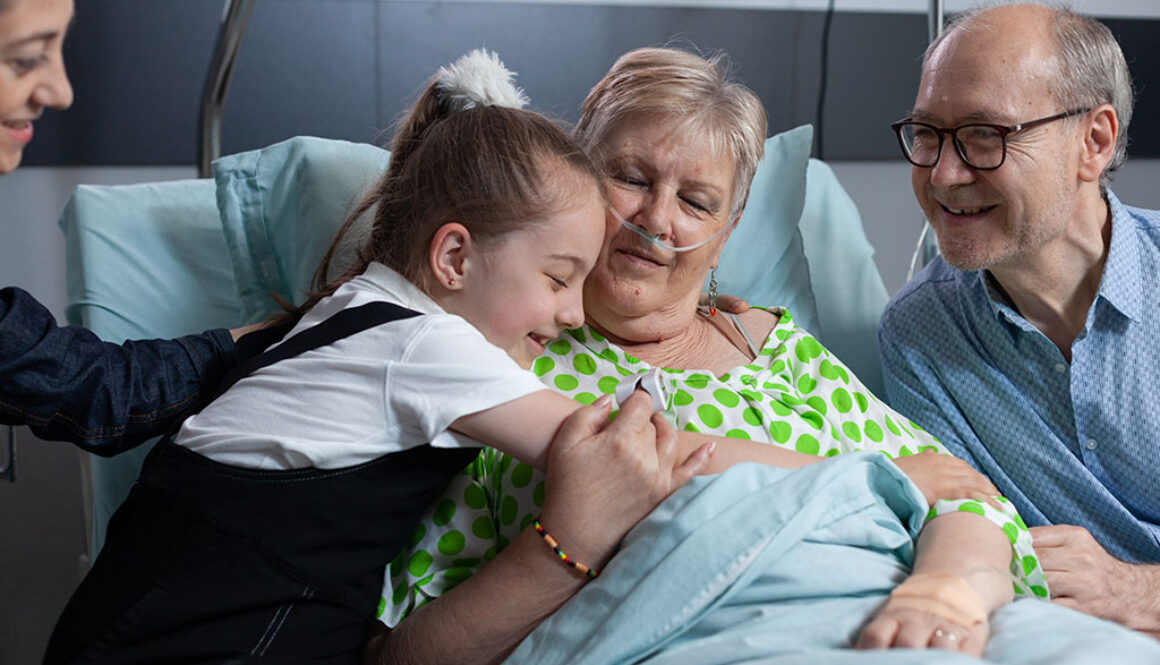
[{"x": 348, "y": 68}]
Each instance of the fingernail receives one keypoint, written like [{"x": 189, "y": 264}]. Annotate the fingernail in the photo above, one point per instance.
[
  {"x": 603, "y": 400},
  {"x": 712, "y": 447}
]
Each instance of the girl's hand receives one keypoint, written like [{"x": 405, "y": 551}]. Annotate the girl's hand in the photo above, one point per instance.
[
  {"x": 605, "y": 476},
  {"x": 904, "y": 627},
  {"x": 945, "y": 477}
]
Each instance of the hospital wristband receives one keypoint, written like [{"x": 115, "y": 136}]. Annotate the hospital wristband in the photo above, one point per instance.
[
  {"x": 591, "y": 573},
  {"x": 946, "y": 595}
]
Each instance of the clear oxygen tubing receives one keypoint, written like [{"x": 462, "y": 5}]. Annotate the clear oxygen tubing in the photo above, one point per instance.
[{"x": 655, "y": 239}]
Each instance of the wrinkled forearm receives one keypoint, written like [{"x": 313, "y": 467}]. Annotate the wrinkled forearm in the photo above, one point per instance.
[
  {"x": 488, "y": 614},
  {"x": 66, "y": 384}
]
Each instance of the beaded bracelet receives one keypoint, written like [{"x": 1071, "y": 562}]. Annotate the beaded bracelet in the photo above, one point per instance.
[{"x": 551, "y": 542}]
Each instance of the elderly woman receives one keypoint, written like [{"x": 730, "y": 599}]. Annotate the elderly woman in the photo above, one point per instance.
[{"x": 679, "y": 144}]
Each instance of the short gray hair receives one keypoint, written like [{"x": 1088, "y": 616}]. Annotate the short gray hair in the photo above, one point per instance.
[
  {"x": 1090, "y": 70},
  {"x": 685, "y": 85}
]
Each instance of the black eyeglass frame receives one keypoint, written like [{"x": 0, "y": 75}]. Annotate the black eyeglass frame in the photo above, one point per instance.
[{"x": 1003, "y": 130}]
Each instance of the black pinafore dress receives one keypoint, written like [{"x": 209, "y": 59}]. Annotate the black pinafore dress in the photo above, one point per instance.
[{"x": 211, "y": 563}]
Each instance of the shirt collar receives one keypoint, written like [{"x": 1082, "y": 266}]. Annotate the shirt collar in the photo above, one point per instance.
[
  {"x": 398, "y": 289},
  {"x": 1120, "y": 284}
]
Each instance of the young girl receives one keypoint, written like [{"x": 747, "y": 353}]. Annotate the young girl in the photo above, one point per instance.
[{"x": 246, "y": 535}]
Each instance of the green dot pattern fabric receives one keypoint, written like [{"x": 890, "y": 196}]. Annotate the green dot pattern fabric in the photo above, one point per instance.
[{"x": 794, "y": 395}]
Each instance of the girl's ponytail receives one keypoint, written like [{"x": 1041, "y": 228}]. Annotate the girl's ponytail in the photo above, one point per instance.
[{"x": 465, "y": 152}]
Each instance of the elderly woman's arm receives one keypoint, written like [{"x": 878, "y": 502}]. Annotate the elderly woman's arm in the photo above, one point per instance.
[
  {"x": 604, "y": 477},
  {"x": 959, "y": 579}
]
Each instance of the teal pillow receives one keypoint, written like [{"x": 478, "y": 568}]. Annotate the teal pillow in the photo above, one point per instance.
[
  {"x": 799, "y": 244},
  {"x": 280, "y": 208},
  {"x": 764, "y": 261}
]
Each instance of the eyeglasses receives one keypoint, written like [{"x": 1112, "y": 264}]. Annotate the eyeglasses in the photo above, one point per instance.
[{"x": 981, "y": 145}]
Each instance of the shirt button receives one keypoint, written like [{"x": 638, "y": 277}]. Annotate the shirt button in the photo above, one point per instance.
[
  {"x": 1061, "y": 367},
  {"x": 1090, "y": 444}
]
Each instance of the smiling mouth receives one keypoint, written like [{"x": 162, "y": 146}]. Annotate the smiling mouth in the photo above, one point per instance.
[
  {"x": 640, "y": 255},
  {"x": 965, "y": 212}
]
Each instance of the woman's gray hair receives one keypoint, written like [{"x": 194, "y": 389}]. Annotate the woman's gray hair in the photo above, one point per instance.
[
  {"x": 681, "y": 84},
  {"x": 1090, "y": 71}
]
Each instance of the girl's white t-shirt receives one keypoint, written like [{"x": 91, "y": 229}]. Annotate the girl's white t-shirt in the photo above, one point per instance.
[{"x": 385, "y": 389}]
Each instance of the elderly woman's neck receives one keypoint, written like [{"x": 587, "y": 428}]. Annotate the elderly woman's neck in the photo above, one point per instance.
[{"x": 678, "y": 339}]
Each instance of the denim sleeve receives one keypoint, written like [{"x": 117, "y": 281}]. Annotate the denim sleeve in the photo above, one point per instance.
[{"x": 66, "y": 384}]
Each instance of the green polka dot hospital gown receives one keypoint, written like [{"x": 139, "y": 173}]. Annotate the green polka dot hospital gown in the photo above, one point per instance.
[{"x": 794, "y": 395}]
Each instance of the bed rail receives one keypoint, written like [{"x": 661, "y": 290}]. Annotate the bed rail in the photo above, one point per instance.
[
  {"x": 9, "y": 469},
  {"x": 235, "y": 15}
]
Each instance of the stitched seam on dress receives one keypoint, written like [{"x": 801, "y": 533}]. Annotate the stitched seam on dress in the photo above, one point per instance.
[{"x": 307, "y": 594}]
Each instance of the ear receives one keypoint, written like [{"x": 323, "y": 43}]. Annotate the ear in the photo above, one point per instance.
[
  {"x": 1099, "y": 142},
  {"x": 450, "y": 254},
  {"x": 725, "y": 238}
]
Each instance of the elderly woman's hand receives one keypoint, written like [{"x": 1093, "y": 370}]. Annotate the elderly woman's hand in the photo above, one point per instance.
[
  {"x": 604, "y": 477},
  {"x": 904, "y": 627},
  {"x": 946, "y": 477}
]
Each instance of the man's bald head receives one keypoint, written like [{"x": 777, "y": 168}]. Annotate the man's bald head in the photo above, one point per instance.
[{"x": 1075, "y": 58}]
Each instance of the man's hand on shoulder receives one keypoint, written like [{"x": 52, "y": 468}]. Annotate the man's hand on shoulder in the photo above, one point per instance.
[{"x": 1083, "y": 576}]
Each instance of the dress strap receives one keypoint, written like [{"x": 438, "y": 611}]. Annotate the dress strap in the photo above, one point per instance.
[
  {"x": 753, "y": 350},
  {"x": 343, "y": 324}
]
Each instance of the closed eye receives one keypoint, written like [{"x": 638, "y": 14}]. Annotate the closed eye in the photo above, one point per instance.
[
  {"x": 25, "y": 65},
  {"x": 560, "y": 284},
  {"x": 698, "y": 205}
]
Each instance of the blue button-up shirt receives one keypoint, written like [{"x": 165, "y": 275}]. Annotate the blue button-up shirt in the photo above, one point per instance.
[{"x": 1068, "y": 443}]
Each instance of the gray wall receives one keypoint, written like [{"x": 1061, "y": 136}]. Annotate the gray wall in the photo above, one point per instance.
[{"x": 347, "y": 68}]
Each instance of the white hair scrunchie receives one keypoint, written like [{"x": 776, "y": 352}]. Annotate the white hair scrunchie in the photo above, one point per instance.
[{"x": 479, "y": 79}]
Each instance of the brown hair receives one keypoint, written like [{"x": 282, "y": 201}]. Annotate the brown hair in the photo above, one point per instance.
[
  {"x": 490, "y": 168},
  {"x": 684, "y": 85}
]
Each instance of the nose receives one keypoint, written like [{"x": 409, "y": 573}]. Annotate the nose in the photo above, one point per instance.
[
  {"x": 655, "y": 213},
  {"x": 571, "y": 312},
  {"x": 950, "y": 168},
  {"x": 54, "y": 90}
]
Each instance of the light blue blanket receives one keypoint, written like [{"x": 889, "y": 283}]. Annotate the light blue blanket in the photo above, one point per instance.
[{"x": 764, "y": 565}]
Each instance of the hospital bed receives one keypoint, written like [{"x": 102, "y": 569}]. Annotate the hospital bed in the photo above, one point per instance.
[{"x": 166, "y": 259}]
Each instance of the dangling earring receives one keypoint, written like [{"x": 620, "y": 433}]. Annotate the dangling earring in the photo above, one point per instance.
[{"x": 713, "y": 292}]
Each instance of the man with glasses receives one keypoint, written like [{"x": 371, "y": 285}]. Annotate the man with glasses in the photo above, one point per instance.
[{"x": 1031, "y": 347}]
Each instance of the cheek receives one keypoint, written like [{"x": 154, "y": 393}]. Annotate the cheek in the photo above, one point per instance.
[{"x": 919, "y": 179}]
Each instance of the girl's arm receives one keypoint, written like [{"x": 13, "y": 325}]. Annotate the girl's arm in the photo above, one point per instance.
[
  {"x": 524, "y": 428},
  {"x": 960, "y": 577},
  {"x": 603, "y": 478}
]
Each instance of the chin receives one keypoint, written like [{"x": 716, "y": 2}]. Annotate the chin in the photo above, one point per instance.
[
  {"x": 9, "y": 161},
  {"x": 967, "y": 255}
]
